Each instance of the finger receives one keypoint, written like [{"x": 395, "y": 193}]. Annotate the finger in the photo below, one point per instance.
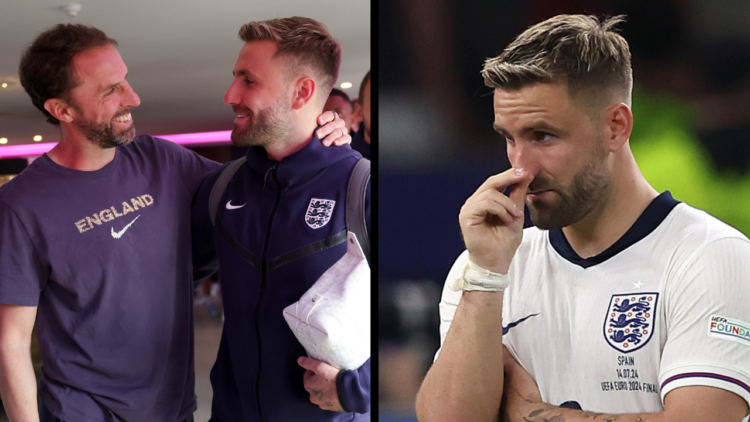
[
  {"x": 326, "y": 116},
  {"x": 309, "y": 364},
  {"x": 332, "y": 124},
  {"x": 492, "y": 202},
  {"x": 502, "y": 180},
  {"x": 487, "y": 212},
  {"x": 335, "y": 137},
  {"x": 344, "y": 139},
  {"x": 517, "y": 193},
  {"x": 308, "y": 378}
]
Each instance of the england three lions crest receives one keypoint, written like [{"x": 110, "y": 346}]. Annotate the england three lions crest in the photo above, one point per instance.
[
  {"x": 629, "y": 323},
  {"x": 319, "y": 212}
]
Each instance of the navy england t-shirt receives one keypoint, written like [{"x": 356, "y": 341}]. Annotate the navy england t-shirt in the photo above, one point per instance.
[{"x": 105, "y": 255}]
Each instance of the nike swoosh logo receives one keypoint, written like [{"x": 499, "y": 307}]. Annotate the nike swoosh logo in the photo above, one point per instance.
[
  {"x": 234, "y": 207},
  {"x": 513, "y": 324},
  {"x": 119, "y": 234}
]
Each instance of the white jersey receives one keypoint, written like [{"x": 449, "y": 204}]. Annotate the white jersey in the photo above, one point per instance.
[{"x": 667, "y": 306}]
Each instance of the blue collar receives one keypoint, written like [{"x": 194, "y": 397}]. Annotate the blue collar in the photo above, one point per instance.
[
  {"x": 652, "y": 216},
  {"x": 302, "y": 165}
]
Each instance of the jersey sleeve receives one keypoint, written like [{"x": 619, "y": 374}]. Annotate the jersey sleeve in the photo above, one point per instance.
[
  {"x": 708, "y": 320},
  {"x": 22, "y": 272},
  {"x": 449, "y": 299}
]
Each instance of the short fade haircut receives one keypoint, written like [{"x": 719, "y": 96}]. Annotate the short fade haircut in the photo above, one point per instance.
[
  {"x": 47, "y": 70},
  {"x": 339, "y": 93},
  {"x": 362, "y": 87},
  {"x": 578, "y": 51},
  {"x": 305, "y": 41}
]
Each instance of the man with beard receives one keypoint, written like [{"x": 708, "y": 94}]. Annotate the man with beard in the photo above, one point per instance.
[
  {"x": 115, "y": 314},
  {"x": 621, "y": 300},
  {"x": 280, "y": 225}
]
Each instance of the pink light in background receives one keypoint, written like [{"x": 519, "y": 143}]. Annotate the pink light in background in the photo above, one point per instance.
[{"x": 188, "y": 139}]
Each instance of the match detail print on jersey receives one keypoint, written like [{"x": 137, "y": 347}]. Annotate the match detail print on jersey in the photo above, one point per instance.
[
  {"x": 729, "y": 329},
  {"x": 319, "y": 212},
  {"x": 629, "y": 322},
  {"x": 109, "y": 214}
]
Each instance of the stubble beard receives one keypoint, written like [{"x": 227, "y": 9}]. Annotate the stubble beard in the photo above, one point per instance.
[
  {"x": 589, "y": 188},
  {"x": 104, "y": 135},
  {"x": 272, "y": 124}
]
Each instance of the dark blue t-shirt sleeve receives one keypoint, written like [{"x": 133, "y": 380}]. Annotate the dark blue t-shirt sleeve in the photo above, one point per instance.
[
  {"x": 22, "y": 273},
  {"x": 354, "y": 389},
  {"x": 192, "y": 167}
]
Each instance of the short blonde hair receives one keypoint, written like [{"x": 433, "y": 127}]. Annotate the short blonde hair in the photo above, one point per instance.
[
  {"x": 306, "y": 42},
  {"x": 586, "y": 55}
]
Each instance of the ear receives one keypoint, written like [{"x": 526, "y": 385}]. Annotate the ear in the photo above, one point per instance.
[
  {"x": 618, "y": 125},
  {"x": 59, "y": 109},
  {"x": 357, "y": 110},
  {"x": 304, "y": 89}
]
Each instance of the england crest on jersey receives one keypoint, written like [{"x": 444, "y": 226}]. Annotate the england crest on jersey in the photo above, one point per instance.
[
  {"x": 629, "y": 323},
  {"x": 319, "y": 212}
]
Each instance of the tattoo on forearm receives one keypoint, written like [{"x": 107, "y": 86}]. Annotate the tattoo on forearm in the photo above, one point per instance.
[
  {"x": 553, "y": 418},
  {"x": 329, "y": 404},
  {"x": 537, "y": 416}
]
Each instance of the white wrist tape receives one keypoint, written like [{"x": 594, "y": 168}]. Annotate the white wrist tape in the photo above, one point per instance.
[{"x": 476, "y": 278}]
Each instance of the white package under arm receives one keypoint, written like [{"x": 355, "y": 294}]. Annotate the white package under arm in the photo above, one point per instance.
[{"x": 476, "y": 278}]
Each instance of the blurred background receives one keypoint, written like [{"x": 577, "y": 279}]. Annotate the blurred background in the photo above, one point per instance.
[{"x": 691, "y": 103}]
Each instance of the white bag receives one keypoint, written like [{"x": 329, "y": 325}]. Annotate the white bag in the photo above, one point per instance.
[{"x": 332, "y": 319}]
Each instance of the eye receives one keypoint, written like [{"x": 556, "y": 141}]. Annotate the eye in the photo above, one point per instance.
[
  {"x": 543, "y": 136},
  {"x": 248, "y": 82}
]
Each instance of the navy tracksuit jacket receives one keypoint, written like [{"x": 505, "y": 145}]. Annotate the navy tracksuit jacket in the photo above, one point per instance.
[{"x": 269, "y": 256}]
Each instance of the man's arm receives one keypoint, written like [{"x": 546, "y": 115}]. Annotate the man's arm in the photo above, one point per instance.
[
  {"x": 17, "y": 379},
  {"x": 523, "y": 403},
  {"x": 466, "y": 381}
]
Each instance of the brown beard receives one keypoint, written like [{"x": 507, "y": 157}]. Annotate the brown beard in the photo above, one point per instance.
[
  {"x": 589, "y": 187},
  {"x": 267, "y": 126},
  {"x": 103, "y": 134}
]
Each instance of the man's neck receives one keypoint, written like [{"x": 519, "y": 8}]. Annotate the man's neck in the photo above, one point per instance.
[
  {"x": 282, "y": 148},
  {"x": 603, "y": 226},
  {"x": 76, "y": 152}
]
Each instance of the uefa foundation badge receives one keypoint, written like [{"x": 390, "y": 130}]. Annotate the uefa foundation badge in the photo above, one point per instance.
[
  {"x": 729, "y": 329},
  {"x": 319, "y": 212},
  {"x": 629, "y": 323}
]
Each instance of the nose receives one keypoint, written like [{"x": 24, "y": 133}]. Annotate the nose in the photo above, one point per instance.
[
  {"x": 521, "y": 155},
  {"x": 132, "y": 99},
  {"x": 232, "y": 97}
]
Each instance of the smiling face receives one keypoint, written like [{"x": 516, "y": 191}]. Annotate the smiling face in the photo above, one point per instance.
[
  {"x": 103, "y": 99},
  {"x": 559, "y": 143},
  {"x": 259, "y": 97}
]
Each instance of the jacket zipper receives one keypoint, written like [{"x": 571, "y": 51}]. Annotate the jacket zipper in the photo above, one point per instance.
[{"x": 263, "y": 266}]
